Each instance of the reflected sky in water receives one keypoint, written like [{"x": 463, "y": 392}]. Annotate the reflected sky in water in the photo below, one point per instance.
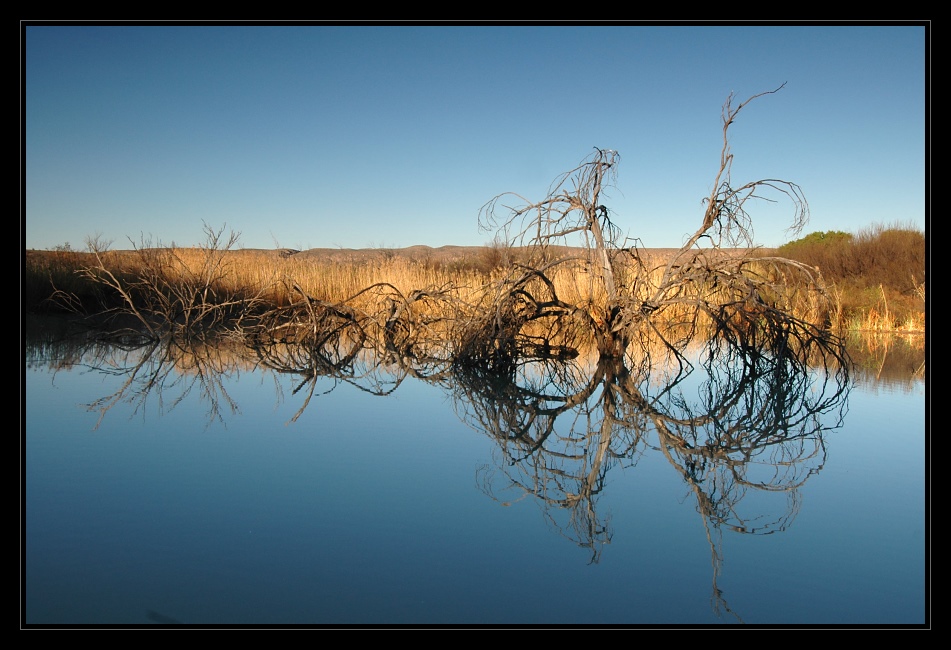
[{"x": 372, "y": 510}]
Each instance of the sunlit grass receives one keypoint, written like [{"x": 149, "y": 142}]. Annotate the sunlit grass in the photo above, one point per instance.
[{"x": 279, "y": 281}]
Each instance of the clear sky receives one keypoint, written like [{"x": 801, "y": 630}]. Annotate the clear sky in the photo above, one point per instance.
[{"x": 364, "y": 136}]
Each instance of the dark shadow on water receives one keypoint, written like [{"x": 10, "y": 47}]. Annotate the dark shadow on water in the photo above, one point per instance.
[{"x": 162, "y": 619}]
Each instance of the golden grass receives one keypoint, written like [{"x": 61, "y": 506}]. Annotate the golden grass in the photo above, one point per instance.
[{"x": 278, "y": 279}]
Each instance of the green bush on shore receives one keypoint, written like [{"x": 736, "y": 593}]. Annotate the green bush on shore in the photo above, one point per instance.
[{"x": 877, "y": 274}]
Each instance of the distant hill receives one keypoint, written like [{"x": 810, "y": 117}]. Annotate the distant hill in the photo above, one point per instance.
[{"x": 443, "y": 254}]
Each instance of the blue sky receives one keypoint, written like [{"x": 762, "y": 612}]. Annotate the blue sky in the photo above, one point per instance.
[{"x": 387, "y": 136}]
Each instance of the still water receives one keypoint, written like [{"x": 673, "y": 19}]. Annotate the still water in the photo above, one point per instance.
[{"x": 175, "y": 491}]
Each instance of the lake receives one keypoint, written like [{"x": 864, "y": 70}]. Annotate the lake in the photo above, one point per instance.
[{"x": 176, "y": 487}]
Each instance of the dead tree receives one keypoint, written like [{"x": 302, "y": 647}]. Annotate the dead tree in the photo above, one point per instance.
[
  {"x": 700, "y": 290},
  {"x": 573, "y": 207}
]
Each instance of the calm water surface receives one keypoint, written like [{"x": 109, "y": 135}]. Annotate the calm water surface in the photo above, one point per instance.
[{"x": 200, "y": 499}]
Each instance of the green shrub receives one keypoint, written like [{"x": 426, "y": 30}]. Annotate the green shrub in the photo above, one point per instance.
[{"x": 881, "y": 269}]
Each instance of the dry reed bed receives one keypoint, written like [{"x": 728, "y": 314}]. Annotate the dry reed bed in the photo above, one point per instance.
[{"x": 279, "y": 279}]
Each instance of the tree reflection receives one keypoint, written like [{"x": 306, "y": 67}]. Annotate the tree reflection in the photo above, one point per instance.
[
  {"x": 167, "y": 373},
  {"x": 735, "y": 423},
  {"x": 742, "y": 426}
]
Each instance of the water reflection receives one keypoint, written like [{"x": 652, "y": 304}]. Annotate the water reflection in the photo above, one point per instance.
[
  {"x": 732, "y": 423},
  {"x": 887, "y": 361},
  {"x": 743, "y": 429}
]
